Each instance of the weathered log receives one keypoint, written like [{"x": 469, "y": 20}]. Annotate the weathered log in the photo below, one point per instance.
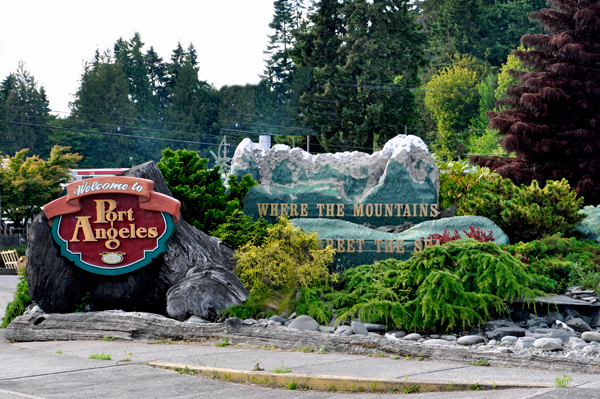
[{"x": 137, "y": 325}]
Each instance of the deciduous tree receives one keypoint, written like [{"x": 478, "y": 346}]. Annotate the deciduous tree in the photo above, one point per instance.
[{"x": 30, "y": 183}]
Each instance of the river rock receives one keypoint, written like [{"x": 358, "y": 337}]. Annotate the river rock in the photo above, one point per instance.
[
  {"x": 278, "y": 318},
  {"x": 548, "y": 344},
  {"x": 305, "y": 323},
  {"x": 591, "y": 336},
  {"x": 578, "y": 324},
  {"x": 451, "y": 338},
  {"x": 398, "y": 334},
  {"x": 58, "y": 286},
  {"x": 377, "y": 328},
  {"x": 498, "y": 333},
  {"x": 413, "y": 337},
  {"x": 525, "y": 342},
  {"x": 344, "y": 330},
  {"x": 470, "y": 340},
  {"x": 509, "y": 339},
  {"x": 556, "y": 333},
  {"x": 326, "y": 329},
  {"x": 359, "y": 328},
  {"x": 403, "y": 169}
]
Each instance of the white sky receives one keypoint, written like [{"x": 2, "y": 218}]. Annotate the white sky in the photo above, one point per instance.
[{"x": 55, "y": 38}]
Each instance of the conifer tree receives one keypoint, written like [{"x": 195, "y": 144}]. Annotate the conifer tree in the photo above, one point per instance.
[
  {"x": 365, "y": 56},
  {"x": 551, "y": 118},
  {"x": 22, "y": 100}
]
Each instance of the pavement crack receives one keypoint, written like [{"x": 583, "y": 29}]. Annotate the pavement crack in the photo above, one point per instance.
[
  {"x": 65, "y": 372},
  {"x": 434, "y": 371}
]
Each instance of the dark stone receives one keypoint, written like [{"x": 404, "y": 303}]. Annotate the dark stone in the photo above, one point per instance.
[
  {"x": 501, "y": 332},
  {"x": 58, "y": 286},
  {"x": 446, "y": 213},
  {"x": 578, "y": 324}
]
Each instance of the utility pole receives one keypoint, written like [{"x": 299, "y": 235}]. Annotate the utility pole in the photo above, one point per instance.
[{"x": 308, "y": 143}]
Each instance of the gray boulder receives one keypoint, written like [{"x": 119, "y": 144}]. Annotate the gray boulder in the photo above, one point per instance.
[
  {"x": 470, "y": 340},
  {"x": 578, "y": 324},
  {"x": 413, "y": 337},
  {"x": 344, "y": 330},
  {"x": 509, "y": 339},
  {"x": 548, "y": 344},
  {"x": 556, "y": 333},
  {"x": 359, "y": 328},
  {"x": 591, "y": 336},
  {"x": 377, "y": 328},
  {"x": 501, "y": 332},
  {"x": 305, "y": 323},
  {"x": 525, "y": 342},
  {"x": 326, "y": 329},
  {"x": 278, "y": 319}
]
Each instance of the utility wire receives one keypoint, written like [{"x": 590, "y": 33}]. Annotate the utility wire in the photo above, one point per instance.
[
  {"x": 119, "y": 126},
  {"x": 108, "y": 133}
]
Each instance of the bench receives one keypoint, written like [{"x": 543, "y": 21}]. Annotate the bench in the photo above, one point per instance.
[{"x": 11, "y": 259}]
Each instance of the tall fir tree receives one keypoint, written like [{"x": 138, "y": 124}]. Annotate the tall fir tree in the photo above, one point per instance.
[
  {"x": 365, "y": 58},
  {"x": 23, "y": 104},
  {"x": 101, "y": 103},
  {"x": 551, "y": 118}
]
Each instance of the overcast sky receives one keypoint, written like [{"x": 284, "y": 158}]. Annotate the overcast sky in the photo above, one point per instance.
[{"x": 55, "y": 38}]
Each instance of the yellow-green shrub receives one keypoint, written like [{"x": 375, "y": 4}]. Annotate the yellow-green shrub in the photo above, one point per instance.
[
  {"x": 526, "y": 213},
  {"x": 287, "y": 260}
]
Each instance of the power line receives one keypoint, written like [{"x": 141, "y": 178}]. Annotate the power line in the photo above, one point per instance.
[
  {"x": 108, "y": 133},
  {"x": 119, "y": 126}
]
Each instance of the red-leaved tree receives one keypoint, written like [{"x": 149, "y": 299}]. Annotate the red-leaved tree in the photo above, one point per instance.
[{"x": 551, "y": 120}]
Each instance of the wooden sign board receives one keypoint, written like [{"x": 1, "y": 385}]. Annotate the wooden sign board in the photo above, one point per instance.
[{"x": 112, "y": 225}]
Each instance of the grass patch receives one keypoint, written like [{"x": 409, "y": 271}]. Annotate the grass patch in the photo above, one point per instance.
[{"x": 100, "y": 356}]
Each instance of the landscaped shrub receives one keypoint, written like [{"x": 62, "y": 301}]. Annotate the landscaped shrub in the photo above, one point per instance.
[
  {"x": 460, "y": 180},
  {"x": 566, "y": 261},
  {"x": 20, "y": 302},
  {"x": 287, "y": 272},
  {"x": 241, "y": 229},
  {"x": 205, "y": 201},
  {"x": 527, "y": 213},
  {"x": 445, "y": 287},
  {"x": 287, "y": 260}
]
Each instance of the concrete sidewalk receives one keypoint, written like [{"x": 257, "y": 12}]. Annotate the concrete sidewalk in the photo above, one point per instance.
[{"x": 63, "y": 369}]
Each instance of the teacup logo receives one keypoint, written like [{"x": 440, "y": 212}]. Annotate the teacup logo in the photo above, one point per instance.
[{"x": 112, "y": 225}]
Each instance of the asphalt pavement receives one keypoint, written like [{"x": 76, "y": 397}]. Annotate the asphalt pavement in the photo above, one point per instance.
[{"x": 64, "y": 369}]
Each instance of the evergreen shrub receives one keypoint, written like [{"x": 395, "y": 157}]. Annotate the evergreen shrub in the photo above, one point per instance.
[
  {"x": 20, "y": 302},
  {"x": 446, "y": 287},
  {"x": 565, "y": 261},
  {"x": 240, "y": 229},
  {"x": 205, "y": 201},
  {"x": 527, "y": 213},
  {"x": 279, "y": 272}
]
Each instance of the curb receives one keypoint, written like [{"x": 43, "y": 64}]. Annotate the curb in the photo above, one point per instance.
[
  {"x": 337, "y": 383},
  {"x": 8, "y": 272}
]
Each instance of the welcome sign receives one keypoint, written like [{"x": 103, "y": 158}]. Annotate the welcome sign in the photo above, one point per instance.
[{"x": 112, "y": 225}]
